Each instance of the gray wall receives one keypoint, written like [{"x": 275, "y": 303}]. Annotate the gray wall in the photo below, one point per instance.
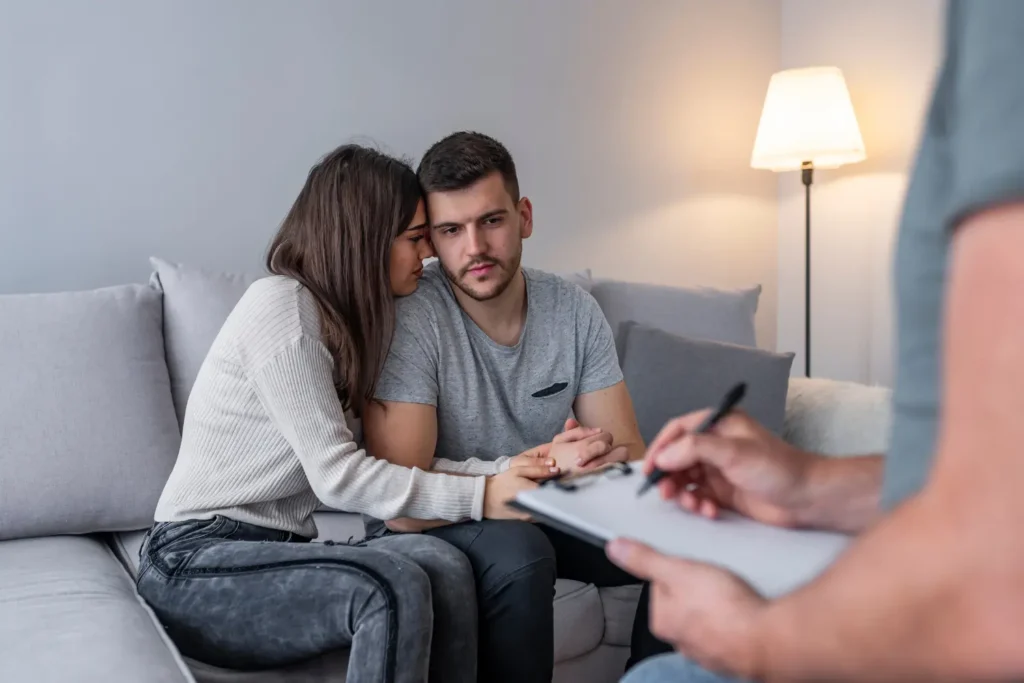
[{"x": 184, "y": 129}]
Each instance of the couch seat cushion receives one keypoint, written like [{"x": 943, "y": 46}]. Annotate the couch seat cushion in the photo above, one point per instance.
[
  {"x": 619, "y": 604},
  {"x": 69, "y": 612},
  {"x": 579, "y": 619}
]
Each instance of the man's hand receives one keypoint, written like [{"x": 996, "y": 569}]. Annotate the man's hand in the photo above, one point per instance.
[
  {"x": 503, "y": 487},
  {"x": 578, "y": 447},
  {"x": 708, "y": 614},
  {"x": 738, "y": 465}
]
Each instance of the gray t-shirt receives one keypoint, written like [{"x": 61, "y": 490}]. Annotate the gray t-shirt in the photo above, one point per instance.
[
  {"x": 494, "y": 400},
  {"x": 971, "y": 156}
]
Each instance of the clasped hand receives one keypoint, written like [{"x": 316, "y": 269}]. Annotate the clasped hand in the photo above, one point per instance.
[{"x": 575, "y": 448}]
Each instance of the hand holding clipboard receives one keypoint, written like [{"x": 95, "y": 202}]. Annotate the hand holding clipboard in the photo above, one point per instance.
[{"x": 740, "y": 457}]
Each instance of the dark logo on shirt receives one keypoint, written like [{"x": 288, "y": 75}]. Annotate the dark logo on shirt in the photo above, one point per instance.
[{"x": 551, "y": 391}]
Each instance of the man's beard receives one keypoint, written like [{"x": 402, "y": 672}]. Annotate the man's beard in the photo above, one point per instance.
[{"x": 508, "y": 270}]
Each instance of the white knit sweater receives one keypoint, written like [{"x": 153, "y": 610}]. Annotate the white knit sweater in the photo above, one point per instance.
[{"x": 265, "y": 440}]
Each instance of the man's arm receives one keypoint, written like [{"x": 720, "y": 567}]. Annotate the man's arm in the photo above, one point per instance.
[
  {"x": 603, "y": 401},
  {"x": 401, "y": 433},
  {"x": 404, "y": 434},
  {"x": 611, "y": 410},
  {"x": 937, "y": 589}
]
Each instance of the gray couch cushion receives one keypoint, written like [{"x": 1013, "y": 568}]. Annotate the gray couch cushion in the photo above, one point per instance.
[
  {"x": 838, "y": 418},
  {"x": 619, "y": 604},
  {"x": 196, "y": 304},
  {"x": 695, "y": 312},
  {"x": 69, "y": 612},
  {"x": 668, "y": 375},
  {"x": 579, "y": 619},
  {"x": 87, "y": 429}
]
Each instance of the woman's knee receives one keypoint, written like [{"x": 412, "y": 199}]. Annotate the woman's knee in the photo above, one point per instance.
[
  {"x": 436, "y": 556},
  {"x": 399, "y": 583}
]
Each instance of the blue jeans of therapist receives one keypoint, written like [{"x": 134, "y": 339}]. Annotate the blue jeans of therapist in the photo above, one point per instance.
[{"x": 672, "y": 668}]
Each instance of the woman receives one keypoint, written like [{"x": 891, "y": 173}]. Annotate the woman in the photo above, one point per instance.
[{"x": 266, "y": 440}]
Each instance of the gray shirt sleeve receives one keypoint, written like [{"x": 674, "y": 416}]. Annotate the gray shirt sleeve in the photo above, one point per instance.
[
  {"x": 985, "y": 110},
  {"x": 971, "y": 157},
  {"x": 600, "y": 363},
  {"x": 409, "y": 374}
]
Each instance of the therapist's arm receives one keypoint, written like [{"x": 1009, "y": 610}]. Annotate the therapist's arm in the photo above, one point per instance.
[{"x": 936, "y": 590}]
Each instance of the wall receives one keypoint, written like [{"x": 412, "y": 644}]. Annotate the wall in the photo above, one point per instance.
[
  {"x": 185, "y": 128},
  {"x": 889, "y": 53}
]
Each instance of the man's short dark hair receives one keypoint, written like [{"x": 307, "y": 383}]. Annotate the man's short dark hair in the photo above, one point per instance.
[{"x": 461, "y": 159}]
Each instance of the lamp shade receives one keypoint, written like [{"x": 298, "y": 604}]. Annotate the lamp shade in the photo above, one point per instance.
[{"x": 807, "y": 116}]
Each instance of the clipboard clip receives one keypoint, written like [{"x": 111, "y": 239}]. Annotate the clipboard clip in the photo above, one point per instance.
[{"x": 571, "y": 481}]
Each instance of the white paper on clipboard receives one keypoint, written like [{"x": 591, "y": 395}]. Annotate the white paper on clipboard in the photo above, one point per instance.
[{"x": 773, "y": 560}]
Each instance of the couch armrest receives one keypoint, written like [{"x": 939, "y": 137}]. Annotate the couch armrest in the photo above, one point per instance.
[{"x": 837, "y": 418}]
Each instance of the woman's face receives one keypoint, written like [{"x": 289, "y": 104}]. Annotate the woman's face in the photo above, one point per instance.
[{"x": 407, "y": 254}]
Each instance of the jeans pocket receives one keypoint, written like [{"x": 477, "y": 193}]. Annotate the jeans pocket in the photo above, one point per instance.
[{"x": 171, "y": 547}]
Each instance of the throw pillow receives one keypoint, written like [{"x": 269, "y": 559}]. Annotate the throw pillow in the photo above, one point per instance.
[
  {"x": 669, "y": 375},
  {"x": 87, "y": 429},
  {"x": 196, "y": 304},
  {"x": 695, "y": 312}
]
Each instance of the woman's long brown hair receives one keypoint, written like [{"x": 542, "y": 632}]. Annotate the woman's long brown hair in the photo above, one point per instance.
[{"x": 336, "y": 240}]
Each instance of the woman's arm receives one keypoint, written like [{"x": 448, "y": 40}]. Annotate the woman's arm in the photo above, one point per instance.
[
  {"x": 295, "y": 387},
  {"x": 472, "y": 467}
]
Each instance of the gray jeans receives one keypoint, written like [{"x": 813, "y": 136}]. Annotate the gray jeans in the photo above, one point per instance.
[{"x": 244, "y": 597}]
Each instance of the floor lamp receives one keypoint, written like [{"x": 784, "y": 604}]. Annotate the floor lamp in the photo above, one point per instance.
[{"x": 807, "y": 122}]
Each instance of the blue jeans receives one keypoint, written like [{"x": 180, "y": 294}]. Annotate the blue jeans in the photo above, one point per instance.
[
  {"x": 673, "y": 668},
  {"x": 244, "y": 597}
]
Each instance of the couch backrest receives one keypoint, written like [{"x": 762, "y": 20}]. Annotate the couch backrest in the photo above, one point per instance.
[
  {"x": 96, "y": 385},
  {"x": 695, "y": 312},
  {"x": 197, "y": 301}
]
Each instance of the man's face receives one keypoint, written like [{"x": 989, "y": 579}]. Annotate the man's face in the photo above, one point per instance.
[{"x": 478, "y": 235}]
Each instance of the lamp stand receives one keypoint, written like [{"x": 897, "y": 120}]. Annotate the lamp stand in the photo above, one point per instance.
[{"x": 807, "y": 176}]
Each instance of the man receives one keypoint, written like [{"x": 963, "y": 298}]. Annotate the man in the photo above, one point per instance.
[
  {"x": 487, "y": 361},
  {"x": 934, "y": 587}
]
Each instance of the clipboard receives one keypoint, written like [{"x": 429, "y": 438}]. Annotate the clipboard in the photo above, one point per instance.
[{"x": 602, "y": 504}]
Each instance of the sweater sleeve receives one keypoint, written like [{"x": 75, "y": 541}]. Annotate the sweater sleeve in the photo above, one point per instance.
[
  {"x": 296, "y": 389},
  {"x": 473, "y": 466}
]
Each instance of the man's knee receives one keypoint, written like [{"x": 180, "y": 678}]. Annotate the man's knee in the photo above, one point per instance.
[
  {"x": 516, "y": 549},
  {"x": 502, "y": 551},
  {"x": 672, "y": 668}
]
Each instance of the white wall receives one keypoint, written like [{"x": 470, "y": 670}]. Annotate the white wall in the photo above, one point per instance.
[
  {"x": 184, "y": 128},
  {"x": 889, "y": 53}
]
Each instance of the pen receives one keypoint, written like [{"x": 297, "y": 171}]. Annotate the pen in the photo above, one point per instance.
[{"x": 734, "y": 396}]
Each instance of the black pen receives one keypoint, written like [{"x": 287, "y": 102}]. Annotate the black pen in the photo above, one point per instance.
[{"x": 734, "y": 396}]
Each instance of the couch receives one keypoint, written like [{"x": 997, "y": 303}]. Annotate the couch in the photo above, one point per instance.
[{"x": 96, "y": 385}]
